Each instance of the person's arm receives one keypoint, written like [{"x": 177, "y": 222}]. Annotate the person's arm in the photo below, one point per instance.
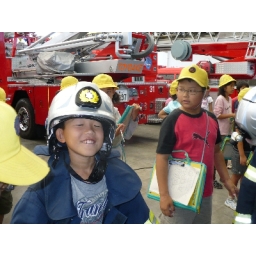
[
  {"x": 219, "y": 109},
  {"x": 224, "y": 116},
  {"x": 30, "y": 209},
  {"x": 243, "y": 158},
  {"x": 210, "y": 107},
  {"x": 166, "y": 202},
  {"x": 120, "y": 127},
  {"x": 162, "y": 114},
  {"x": 135, "y": 112},
  {"x": 221, "y": 167},
  {"x": 210, "y": 103}
]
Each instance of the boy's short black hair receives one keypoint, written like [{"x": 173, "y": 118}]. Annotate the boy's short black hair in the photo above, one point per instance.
[
  {"x": 174, "y": 97},
  {"x": 240, "y": 84},
  {"x": 116, "y": 98}
]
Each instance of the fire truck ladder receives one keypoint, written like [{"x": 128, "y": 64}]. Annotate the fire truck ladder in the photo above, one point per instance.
[
  {"x": 165, "y": 40},
  {"x": 251, "y": 50},
  {"x": 72, "y": 41}
]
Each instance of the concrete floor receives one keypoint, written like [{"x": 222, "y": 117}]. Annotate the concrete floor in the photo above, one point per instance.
[{"x": 140, "y": 155}]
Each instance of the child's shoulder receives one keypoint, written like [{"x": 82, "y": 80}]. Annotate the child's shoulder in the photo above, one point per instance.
[
  {"x": 122, "y": 181},
  {"x": 211, "y": 115}
]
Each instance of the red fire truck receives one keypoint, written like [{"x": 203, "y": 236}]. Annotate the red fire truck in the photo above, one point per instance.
[
  {"x": 231, "y": 53},
  {"x": 32, "y": 68}
]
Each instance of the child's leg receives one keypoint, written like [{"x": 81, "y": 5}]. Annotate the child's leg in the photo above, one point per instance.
[
  {"x": 235, "y": 179},
  {"x": 216, "y": 184},
  {"x": 205, "y": 215}
]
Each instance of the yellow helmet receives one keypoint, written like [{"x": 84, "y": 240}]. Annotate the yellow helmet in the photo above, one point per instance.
[
  {"x": 104, "y": 81},
  {"x": 225, "y": 79},
  {"x": 195, "y": 73},
  {"x": 173, "y": 87},
  {"x": 2, "y": 95},
  {"x": 242, "y": 93},
  {"x": 68, "y": 81}
]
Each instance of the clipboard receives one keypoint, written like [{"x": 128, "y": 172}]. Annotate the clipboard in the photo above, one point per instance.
[
  {"x": 124, "y": 119},
  {"x": 197, "y": 194},
  {"x": 226, "y": 148}
]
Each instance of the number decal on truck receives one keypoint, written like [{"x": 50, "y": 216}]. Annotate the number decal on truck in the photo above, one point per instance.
[{"x": 123, "y": 95}]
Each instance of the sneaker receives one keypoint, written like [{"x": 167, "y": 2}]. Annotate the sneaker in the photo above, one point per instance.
[
  {"x": 231, "y": 203},
  {"x": 217, "y": 185}
]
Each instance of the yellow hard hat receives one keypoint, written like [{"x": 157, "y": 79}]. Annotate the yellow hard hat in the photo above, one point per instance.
[
  {"x": 195, "y": 73},
  {"x": 173, "y": 87},
  {"x": 225, "y": 79},
  {"x": 242, "y": 93},
  {"x": 18, "y": 165},
  {"x": 68, "y": 81},
  {"x": 104, "y": 81},
  {"x": 2, "y": 94}
]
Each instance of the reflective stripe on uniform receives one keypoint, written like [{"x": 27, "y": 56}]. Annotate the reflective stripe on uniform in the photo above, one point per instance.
[
  {"x": 152, "y": 219},
  {"x": 242, "y": 218},
  {"x": 250, "y": 173}
]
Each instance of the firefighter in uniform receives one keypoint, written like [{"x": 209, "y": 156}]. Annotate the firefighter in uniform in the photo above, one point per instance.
[{"x": 246, "y": 203}]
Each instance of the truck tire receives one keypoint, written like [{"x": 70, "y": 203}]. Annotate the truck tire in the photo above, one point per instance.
[{"x": 26, "y": 114}]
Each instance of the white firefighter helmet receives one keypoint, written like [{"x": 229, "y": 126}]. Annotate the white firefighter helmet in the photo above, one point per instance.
[
  {"x": 246, "y": 115},
  {"x": 84, "y": 100}
]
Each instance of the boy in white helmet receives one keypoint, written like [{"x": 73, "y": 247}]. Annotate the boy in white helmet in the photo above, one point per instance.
[
  {"x": 18, "y": 165},
  {"x": 87, "y": 183},
  {"x": 194, "y": 130}
]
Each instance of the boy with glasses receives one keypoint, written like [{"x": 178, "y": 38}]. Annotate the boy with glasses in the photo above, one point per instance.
[{"x": 196, "y": 131}]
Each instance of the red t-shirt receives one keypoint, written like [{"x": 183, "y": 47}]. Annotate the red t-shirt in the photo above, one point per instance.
[{"x": 182, "y": 131}]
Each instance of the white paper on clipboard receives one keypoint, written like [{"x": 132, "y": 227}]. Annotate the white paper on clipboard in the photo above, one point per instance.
[{"x": 182, "y": 181}]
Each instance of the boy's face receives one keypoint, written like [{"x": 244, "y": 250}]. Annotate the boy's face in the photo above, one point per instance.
[
  {"x": 190, "y": 96},
  {"x": 83, "y": 137},
  {"x": 109, "y": 91}
]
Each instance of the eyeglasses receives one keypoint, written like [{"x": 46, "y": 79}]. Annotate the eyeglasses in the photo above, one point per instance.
[{"x": 190, "y": 92}]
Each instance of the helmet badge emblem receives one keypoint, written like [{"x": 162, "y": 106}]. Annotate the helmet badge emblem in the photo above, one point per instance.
[{"x": 88, "y": 97}]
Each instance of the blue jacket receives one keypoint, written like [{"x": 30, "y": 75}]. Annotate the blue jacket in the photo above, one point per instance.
[{"x": 50, "y": 200}]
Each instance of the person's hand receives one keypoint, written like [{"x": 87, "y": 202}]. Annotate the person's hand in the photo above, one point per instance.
[
  {"x": 120, "y": 127},
  {"x": 166, "y": 205},
  {"x": 233, "y": 190},
  {"x": 135, "y": 111},
  {"x": 243, "y": 160}
]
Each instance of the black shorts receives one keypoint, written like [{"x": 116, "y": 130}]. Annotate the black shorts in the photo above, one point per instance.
[{"x": 5, "y": 202}]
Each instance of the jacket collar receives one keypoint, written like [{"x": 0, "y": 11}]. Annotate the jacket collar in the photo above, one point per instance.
[{"x": 122, "y": 182}]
